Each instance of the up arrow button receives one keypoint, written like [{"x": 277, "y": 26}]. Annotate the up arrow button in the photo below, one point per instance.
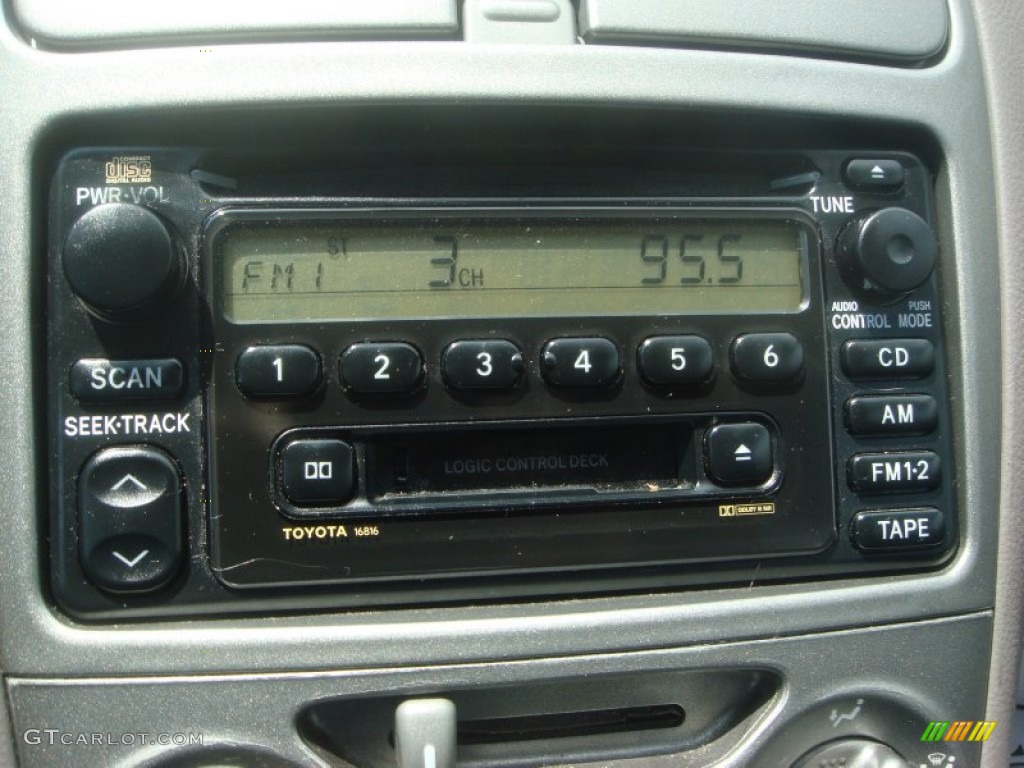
[{"x": 130, "y": 481}]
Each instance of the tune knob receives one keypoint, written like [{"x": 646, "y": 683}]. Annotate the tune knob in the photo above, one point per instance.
[
  {"x": 122, "y": 262},
  {"x": 887, "y": 253}
]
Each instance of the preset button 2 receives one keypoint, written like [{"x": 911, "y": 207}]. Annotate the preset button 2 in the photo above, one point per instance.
[{"x": 391, "y": 367}]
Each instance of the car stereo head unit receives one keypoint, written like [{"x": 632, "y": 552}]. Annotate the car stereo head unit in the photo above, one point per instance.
[{"x": 268, "y": 400}]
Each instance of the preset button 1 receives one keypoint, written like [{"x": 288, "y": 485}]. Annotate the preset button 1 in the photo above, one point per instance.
[{"x": 278, "y": 371}]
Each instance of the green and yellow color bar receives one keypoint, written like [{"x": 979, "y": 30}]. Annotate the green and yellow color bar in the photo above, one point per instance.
[{"x": 959, "y": 730}]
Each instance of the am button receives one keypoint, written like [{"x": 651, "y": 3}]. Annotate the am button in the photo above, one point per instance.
[{"x": 98, "y": 380}]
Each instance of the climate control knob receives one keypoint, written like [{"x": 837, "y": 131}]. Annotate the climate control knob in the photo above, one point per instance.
[
  {"x": 852, "y": 753},
  {"x": 887, "y": 253},
  {"x": 122, "y": 262}
]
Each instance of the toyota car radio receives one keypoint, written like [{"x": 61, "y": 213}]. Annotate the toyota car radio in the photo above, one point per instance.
[{"x": 266, "y": 400}]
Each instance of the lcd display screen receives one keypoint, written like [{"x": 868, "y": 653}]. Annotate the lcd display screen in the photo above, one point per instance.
[{"x": 322, "y": 270}]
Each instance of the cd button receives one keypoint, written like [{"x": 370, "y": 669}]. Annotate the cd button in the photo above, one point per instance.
[
  {"x": 318, "y": 471},
  {"x": 767, "y": 358},
  {"x": 888, "y": 358},
  {"x": 868, "y": 173},
  {"x": 891, "y": 415},
  {"x": 485, "y": 364},
  {"x": 739, "y": 454},
  {"x": 384, "y": 368},
  {"x": 675, "y": 360},
  {"x": 580, "y": 362},
  {"x": 884, "y": 529},
  {"x": 277, "y": 371},
  {"x": 894, "y": 472}
]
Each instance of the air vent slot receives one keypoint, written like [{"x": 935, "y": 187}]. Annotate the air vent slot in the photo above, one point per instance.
[{"x": 567, "y": 725}]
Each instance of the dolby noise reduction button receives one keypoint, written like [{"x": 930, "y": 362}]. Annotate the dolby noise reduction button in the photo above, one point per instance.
[
  {"x": 318, "y": 472},
  {"x": 893, "y": 529},
  {"x": 739, "y": 454}
]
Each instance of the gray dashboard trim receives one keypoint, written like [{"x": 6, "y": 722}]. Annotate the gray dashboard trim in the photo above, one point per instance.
[
  {"x": 1000, "y": 23},
  {"x": 123, "y": 23},
  {"x": 947, "y": 100},
  {"x": 908, "y": 31},
  {"x": 261, "y": 710}
]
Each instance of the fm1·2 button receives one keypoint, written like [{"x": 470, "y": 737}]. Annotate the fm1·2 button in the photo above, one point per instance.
[
  {"x": 482, "y": 364},
  {"x": 318, "y": 472},
  {"x": 130, "y": 519},
  {"x": 392, "y": 367},
  {"x": 887, "y": 529},
  {"x": 580, "y": 362},
  {"x": 767, "y": 358},
  {"x": 676, "y": 360},
  {"x": 739, "y": 454},
  {"x": 896, "y": 471},
  {"x": 278, "y": 371}
]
